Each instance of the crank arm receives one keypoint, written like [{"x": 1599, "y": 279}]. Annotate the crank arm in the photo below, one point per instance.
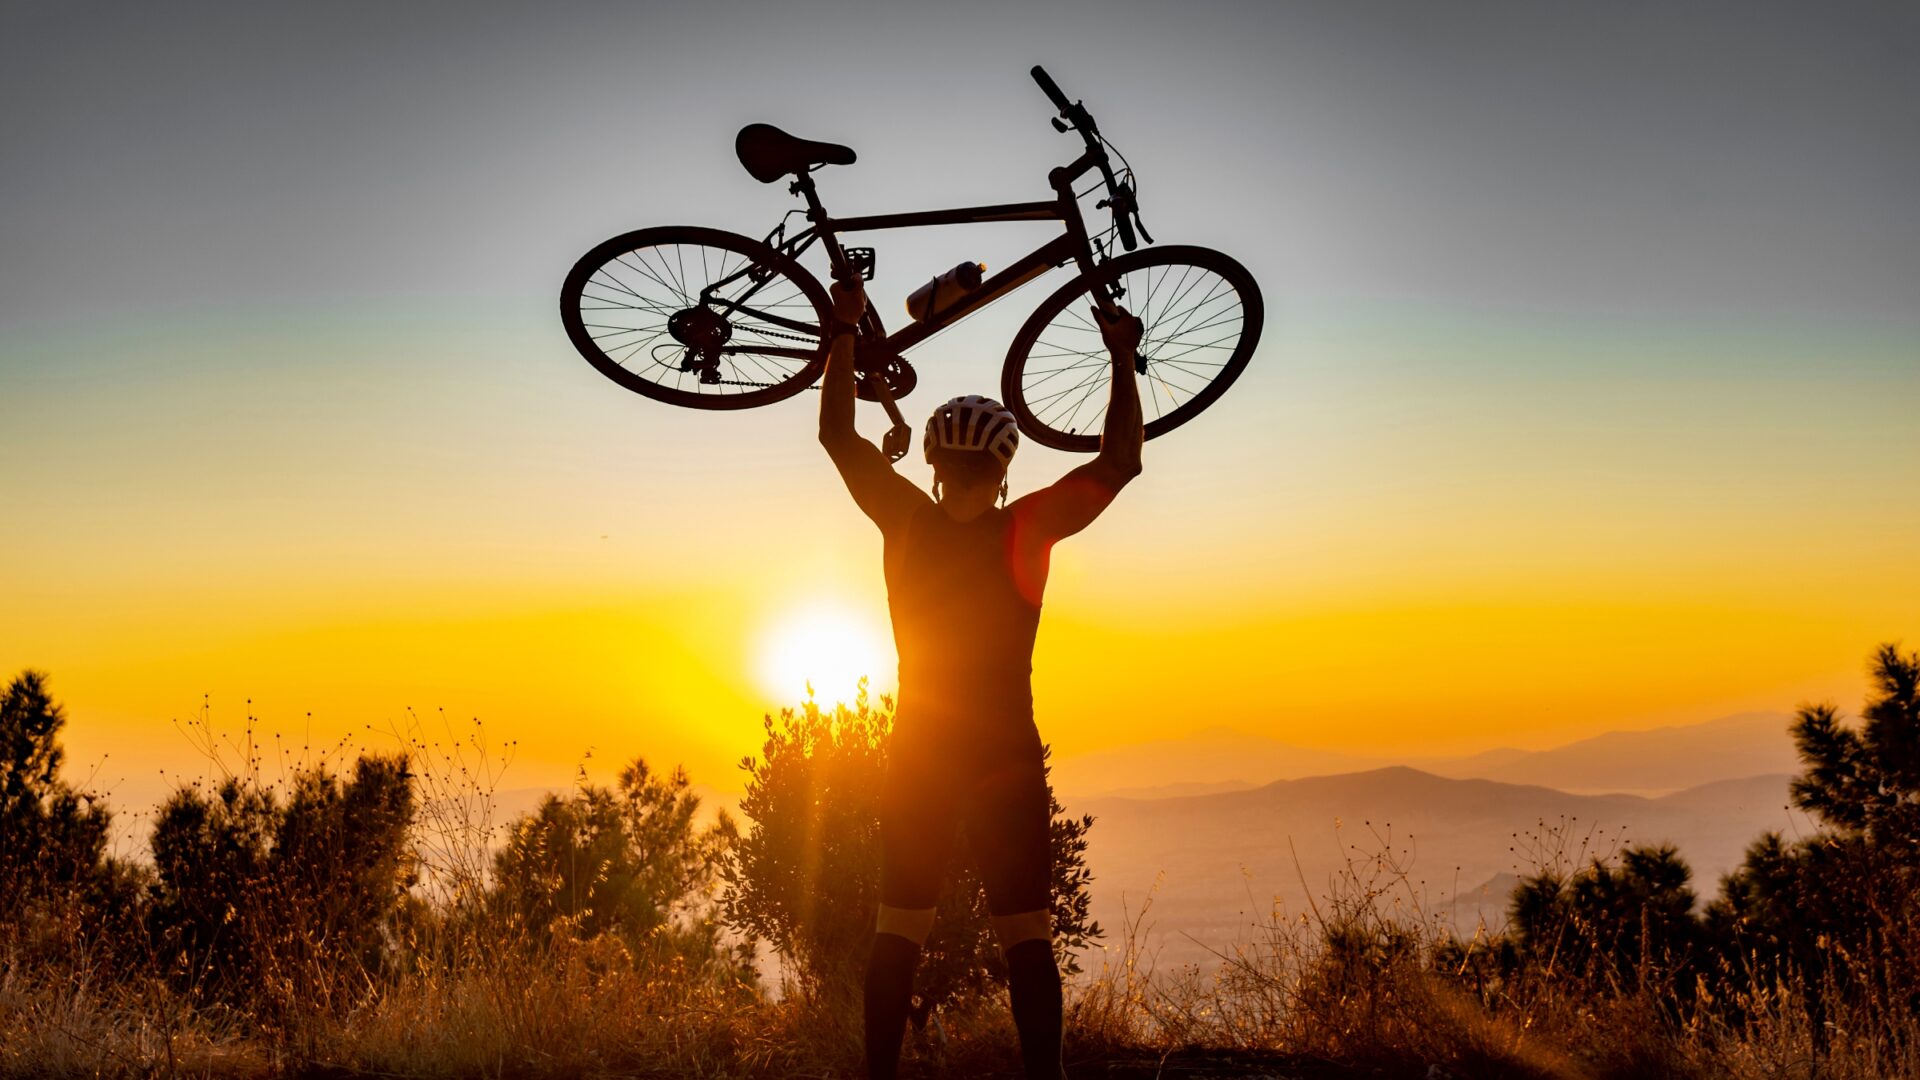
[{"x": 899, "y": 437}]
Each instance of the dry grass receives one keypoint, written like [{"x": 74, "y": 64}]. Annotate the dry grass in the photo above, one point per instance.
[
  {"x": 1358, "y": 983},
  {"x": 1353, "y": 987},
  {"x": 1288, "y": 1003}
]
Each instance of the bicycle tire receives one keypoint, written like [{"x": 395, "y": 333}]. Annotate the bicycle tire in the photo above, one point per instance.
[
  {"x": 1160, "y": 285},
  {"x": 608, "y": 308}
]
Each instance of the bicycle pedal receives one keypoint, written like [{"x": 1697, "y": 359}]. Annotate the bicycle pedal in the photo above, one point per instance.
[
  {"x": 897, "y": 441},
  {"x": 861, "y": 259}
]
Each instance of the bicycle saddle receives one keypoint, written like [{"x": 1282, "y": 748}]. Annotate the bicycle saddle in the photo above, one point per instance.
[{"x": 769, "y": 153}]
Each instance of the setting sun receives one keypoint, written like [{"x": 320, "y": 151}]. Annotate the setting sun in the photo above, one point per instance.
[{"x": 825, "y": 647}]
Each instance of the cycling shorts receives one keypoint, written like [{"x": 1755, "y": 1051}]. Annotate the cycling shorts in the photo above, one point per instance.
[{"x": 992, "y": 790}]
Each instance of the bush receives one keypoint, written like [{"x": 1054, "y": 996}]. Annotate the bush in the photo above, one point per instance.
[
  {"x": 806, "y": 875},
  {"x": 276, "y": 905},
  {"x": 629, "y": 862},
  {"x": 1626, "y": 921}
]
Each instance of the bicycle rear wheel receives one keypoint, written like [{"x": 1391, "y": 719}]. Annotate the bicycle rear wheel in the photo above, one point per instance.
[
  {"x": 1201, "y": 312},
  {"x": 697, "y": 317}
]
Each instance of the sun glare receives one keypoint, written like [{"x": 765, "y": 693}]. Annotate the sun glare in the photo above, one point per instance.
[{"x": 828, "y": 648}]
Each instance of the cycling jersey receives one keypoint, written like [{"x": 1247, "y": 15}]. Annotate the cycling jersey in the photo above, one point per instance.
[
  {"x": 964, "y": 750},
  {"x": 963, "y": 625}
]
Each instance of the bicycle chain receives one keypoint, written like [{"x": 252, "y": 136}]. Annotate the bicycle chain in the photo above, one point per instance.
[
  {"x": 785, "y": 334},
  {"x": 764, "y": 333}
]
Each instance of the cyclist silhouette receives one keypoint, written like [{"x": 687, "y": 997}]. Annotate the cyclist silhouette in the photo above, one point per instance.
[{"x": 964, "y": 579}]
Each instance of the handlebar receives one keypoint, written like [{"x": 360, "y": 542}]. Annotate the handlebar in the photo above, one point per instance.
[
  {"x": 1051, "y": 88},
  {"x": 1126, "y": 212}
]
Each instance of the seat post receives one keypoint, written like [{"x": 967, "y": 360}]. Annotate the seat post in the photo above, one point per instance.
[{"x": 803, "y": 187}]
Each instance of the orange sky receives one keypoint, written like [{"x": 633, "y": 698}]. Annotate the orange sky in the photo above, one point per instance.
[
  {"x": 1567, "y": 417},
  {"x": 1378, "y": 569}
]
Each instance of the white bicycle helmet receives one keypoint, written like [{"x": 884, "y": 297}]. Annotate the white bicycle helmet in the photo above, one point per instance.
[{"x": 973, "y": 422}]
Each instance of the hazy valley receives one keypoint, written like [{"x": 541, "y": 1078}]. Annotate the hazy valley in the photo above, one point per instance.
[{"x": 1217, "y": 855}]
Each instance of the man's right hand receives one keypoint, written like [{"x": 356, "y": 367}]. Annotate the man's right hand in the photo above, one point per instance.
[{"x": 849, "y": 301}]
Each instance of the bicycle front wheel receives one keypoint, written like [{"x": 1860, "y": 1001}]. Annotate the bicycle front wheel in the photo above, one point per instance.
[
  {"x": 697, "y": 317},
  {"x": 1201, "y": 313}
]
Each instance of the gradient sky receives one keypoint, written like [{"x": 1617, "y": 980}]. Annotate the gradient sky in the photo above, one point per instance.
[{"x": 1588, "y": 397}]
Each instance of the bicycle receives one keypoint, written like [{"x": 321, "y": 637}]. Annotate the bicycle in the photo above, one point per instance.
[{"x": 710, "y": 319}]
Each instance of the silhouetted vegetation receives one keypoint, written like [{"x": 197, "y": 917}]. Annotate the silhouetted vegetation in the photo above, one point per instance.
[
  {"x": 56, "y": 879},
  {"x": 806, "y": 878},
  {"x": 52, "y": 838},
  {"x": 1836, "y": 911},
  {"x": 1820, "y": 934},
  {"x": 282, "y": 905},
  {"x": 1616, "y": 920},
  {"x": 364, "y": 914},
  {"x": 631, "y": 862}
]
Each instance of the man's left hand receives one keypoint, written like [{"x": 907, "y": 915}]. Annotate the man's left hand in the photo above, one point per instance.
[{"x": 1121, "y": 331}]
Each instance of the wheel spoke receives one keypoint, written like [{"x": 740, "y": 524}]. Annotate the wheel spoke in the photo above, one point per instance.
[
  {"x": 1059, "y": 392},
  {"x": 1064, "y": 353},
  {"x": 1214, "y": 344},
  {"x": 1190, "y": 312},
  {"x": 1080, "y": 402},
  {"x": 1153, "y": 388},
  {"x": 647, "y": 272},
  {"x": 1095, "y": 363},
  {"x": 1225, "y": 317},
  {"x": 1064, "y": 386},
  {"x": 1154, "y": 371}
]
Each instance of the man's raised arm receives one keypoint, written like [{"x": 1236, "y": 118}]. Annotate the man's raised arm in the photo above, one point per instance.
[
  {"x": 1073, "y": 501},
  {"x": 884, "y": 495}
]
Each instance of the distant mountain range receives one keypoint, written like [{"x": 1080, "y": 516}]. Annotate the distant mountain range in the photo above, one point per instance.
[
  {"x": 1651, "y": 762},
  {"x": 1646, "y": 762},
  {"x": 1219, "y": 756},
  {"x": 1215, "y": 865}
]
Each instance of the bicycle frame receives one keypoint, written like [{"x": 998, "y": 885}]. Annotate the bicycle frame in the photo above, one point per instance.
[{"x": 1072, "y": 245}]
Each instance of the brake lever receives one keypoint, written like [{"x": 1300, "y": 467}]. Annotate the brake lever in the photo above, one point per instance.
[{"x": 1126, "y": 215}]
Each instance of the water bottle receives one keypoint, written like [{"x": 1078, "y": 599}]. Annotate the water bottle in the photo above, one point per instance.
[{"x": 942, "y": 292}]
